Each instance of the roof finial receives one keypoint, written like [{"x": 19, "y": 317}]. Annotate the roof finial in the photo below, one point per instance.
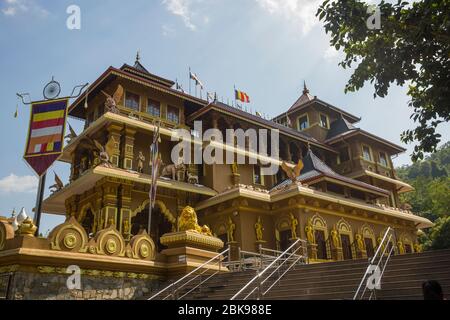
[
  {"x": 305, "y": 88},
  {"x": 138, "y": 56}
]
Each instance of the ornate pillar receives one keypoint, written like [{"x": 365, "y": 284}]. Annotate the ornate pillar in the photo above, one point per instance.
[
  {"x": 125, "y": 209},
  {"x": 128, "y": 148},
  {"x": 109, "y": 210},
  {"x": 72, "y": 206},
  {"x": 114, "y": 132}
]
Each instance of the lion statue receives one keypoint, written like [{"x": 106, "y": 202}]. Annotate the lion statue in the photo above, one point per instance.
[{"x": 188, "y": 221}]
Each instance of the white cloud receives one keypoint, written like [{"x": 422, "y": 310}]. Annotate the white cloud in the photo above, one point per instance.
[
  {"x": 300, "y": 12},
  {"x": 183, "y": 9},
  {"x": 15, "y": 7},
  {"x": 16, "y": 184}
]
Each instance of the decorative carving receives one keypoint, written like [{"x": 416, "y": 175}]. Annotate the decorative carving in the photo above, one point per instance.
[
  {"x": 27, "y": 228},
  {"x": 359, "y": 242},
  {"x": 112, "y": 102},
  {"x": 335, "y": 238},
  {"x": 192, "y": 179},
  {"x": 169, "y": 171},
  {"x": 181, "y": 172},
  {"x": 58, "y": 186},
  {"x": 140, "y": 162},
  {"x": 231, "y": 227},
  {"x": 107, "y": 151},
  {"x": 71, "y": 136},
  {"x": 110, "y": 242},
  {"x": 309, "y": 230},
  {"x": 401, "y": 247},
  {"x": 6, "y": 233},
  {"x": 235, "y": 169},
  {"x": 259, "y": 228},
  {"x": 293, "y": 173},
  {"x": 294, "y": 224},
  {"x": 417, "y": 248},
  {"x": 69, "y": 236},
  {"x": 188, "y": 221}
]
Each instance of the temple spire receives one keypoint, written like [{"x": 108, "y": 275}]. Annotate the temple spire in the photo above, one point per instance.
[
  {"x": 138, "y": 56},
  {"x": 305, "y": 88}
]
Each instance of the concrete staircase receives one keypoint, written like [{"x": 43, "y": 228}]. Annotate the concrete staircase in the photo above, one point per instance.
[{"x": 402, "y": 280}]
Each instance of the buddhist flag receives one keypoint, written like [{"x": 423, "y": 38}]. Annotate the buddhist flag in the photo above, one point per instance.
[
  {"x": 46, "y": 134},
  {"x": 242, "y": 96}
]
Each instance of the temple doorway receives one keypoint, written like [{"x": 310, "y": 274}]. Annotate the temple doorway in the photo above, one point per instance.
[
  {"x": 160, "y": 225},
  {"x": 285, "y": 241},
  {"x": 346, "y": 247},
  {"x": 321, "y": 245},
  {"x": 369, "y": 247}
]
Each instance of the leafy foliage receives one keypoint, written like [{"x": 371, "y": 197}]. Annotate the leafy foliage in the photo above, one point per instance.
[
  {"x": 431, "y": 198},
  {"x": 412, "y": 47}
]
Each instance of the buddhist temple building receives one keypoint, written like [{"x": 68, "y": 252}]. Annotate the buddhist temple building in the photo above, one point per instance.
[{"x": 348, "y": 184}]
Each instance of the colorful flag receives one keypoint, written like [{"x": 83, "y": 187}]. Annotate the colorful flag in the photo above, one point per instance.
[
  {"x": 242, "y": 96},
  {"x": 156, "y": 161},
  {"x": 196, "y": 79},
  {"x": 46, "y": 134}
]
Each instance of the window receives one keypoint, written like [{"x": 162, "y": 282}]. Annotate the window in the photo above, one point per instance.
[
  {"x": 154, "y": 108},
  {"x": 132, "y": 101},
  {"x": 257, "y": 177},
  {"x": 324, "y": 122},
  {"x": 343, "y": 154},
  {"x": 303, "y": 122},
  {"x": 383, "y": 159},
  {"x": 173, "y": 114},
  {"x": 367, "y": 155}
]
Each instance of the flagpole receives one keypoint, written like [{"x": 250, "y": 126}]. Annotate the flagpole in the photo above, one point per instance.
[
  {"x": 39, "y": 199},
  {"x": 190, "y": 80}
]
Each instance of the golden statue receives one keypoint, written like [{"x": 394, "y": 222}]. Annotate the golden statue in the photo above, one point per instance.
[
  {"x": 335, "y": 238},
  {"x": 359, "y": 242},
  {"x": 126, "y": 227},
  {"x": 379, "y": 241},
  {"x": 294, "y": 224},
  {"x": 188, "y": 221},
  {"x": 235, "y": 169},
  {"x": 401, "y": 248},
  {"x": 231, "y": 227},
  {"x": 309, "y": 230},
  {"x": 259, "y": 228},
  {"x": 27, "y": 228},
  {"x": 278, "y": 239},
  {"x": 417, "y": 248},
  {"x": 293, "y": 173}
]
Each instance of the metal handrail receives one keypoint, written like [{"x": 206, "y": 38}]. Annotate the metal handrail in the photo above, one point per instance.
[
  {"x": 379, "y": 254},
  {"x": 270, "y": 266},
  {"x": 218, "y": 256}
]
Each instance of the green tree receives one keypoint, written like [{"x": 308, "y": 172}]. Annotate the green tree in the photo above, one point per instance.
[
  {"x": 439, "y": 238},
  {"x": 412, "y": 47}
]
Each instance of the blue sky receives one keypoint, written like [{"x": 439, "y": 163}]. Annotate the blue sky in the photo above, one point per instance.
[{"x": 266, "y": 47}]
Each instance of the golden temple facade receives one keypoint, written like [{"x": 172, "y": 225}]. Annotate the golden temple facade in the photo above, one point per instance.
[{"x": 348, "y": 184}]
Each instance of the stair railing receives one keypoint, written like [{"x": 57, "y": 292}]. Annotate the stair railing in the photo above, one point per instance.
[
  {"x": 278, "y": 267},
  {"x": 377, "y": 264},
  {"x": 201, "y": 273}
]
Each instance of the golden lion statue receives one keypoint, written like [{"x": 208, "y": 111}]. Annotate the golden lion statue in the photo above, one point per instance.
[{"x": 188, "y": 221}]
